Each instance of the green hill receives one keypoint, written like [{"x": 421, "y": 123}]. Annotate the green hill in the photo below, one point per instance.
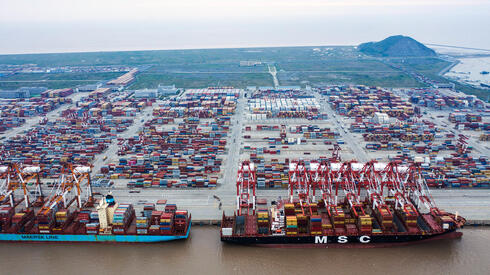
[{"x": 396, "y": 46}]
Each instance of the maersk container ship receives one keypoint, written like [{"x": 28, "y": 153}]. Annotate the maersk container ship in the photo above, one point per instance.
[{"x": 109, "y": 222}]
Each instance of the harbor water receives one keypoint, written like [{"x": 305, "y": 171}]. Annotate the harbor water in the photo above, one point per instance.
[{"x": 203, "y": 253}]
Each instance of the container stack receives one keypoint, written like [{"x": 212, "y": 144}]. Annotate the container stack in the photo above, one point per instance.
[
  {"x": 148, "y": 208},
  {"x": 315, "y": 225},
  {"x": 338, "y": 218},
  {"x": 122, "y": 218},
  {"x": 302, "y": 221},
  {"x": 142, "y": 225},
  {"x": 250, "y": 225},
  {"x": 181, "y": 221},
  {"x": 326, "y": 225},
  {"x": 409, "y": 218},
  {"x": 6, "y": 213},
  {"x": 291, "y": 226},
  {"x": 166, "y": 223},
  {"x": 44, "y": 221},
  {"x": 61, "y": 216},
  {"x": 92, "y": 228},
  {"x": 263, "y": 221},
  {"x": 364, "y": 224},
  {"x": 386, "y": 219}
]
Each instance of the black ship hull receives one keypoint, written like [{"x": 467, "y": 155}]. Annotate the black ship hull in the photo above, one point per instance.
[{"x": 339, "y": 241}]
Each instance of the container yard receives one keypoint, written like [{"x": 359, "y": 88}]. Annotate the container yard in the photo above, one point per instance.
[
  {"x": 182, "y": 145},
  {"x": 422, "y": 135},
  {"x": 196, "y": 141},
  {"x": 13, "y": 112}
]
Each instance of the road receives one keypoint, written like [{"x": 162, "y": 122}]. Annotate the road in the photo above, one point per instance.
[
  {"x": 111, "y": 152},
  {"x": 473, "y": 204},
  {"x": 273, "y": 72},
  {"x": 52, "y": 115},
  {"x": 230, "y": 169},
  {"x": 351, "y": 141}
]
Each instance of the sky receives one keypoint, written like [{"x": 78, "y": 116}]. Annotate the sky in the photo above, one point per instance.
[{"x": 39, "y": 26}]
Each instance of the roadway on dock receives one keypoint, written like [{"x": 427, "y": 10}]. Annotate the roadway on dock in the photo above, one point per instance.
[{"x": 473, "y": 204}]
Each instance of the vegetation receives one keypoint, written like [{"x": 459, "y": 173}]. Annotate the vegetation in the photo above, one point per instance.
[
  {"x": 320, "y": 65},
  {"x": 200, "y": 80},
  {"x": 396, "y": 46}
]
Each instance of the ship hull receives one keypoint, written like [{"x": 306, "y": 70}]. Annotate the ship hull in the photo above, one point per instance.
[
  {"x": 87, "y": 238},
  {"x": 339, "y": 241}
]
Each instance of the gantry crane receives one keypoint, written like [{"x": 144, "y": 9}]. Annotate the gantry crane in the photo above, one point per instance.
[
  {"x": 16, "y": 177},
  {"x": 72, "y": 180},
  {"x": 245, "y": 188}
]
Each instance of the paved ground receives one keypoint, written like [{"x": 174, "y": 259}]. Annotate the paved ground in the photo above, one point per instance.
[{"x": 472, "y": 204}]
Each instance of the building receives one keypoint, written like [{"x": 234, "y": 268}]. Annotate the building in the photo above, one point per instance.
[
  {"x": 89, "y": 87},
  {"x": 447, "y": 85},
  {"x": 164, "y": 90},
  {"x": 146, "y": 93},
  {"x": 381, "y": 118},
  {"x": 249, "y": 63},
  {"x": 24, "y": 92}
]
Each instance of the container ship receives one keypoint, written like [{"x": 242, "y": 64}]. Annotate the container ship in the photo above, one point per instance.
[
  {"x": 66, "y": 215},
  {"x": 335, "y": 204}
]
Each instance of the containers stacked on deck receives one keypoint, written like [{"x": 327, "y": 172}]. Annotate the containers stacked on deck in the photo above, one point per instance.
[
  {"x": 182, "y": 145},
  {"x": 365, "y": 101},
  {"x": 166, "y": 223},
  {"x": 180, "y": 220},
  {"x": 263, "y": 221},
  {"x": 122, "y": 217},
  {"x": 117, "y": 219},
  {"x": 291, "y": 225},
  {"x": 6, "y": 213}
]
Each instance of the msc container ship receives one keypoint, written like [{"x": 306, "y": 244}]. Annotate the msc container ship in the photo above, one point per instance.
[
  {"x": 55, "y": 219},
  {"x": 340, "y": 205}
]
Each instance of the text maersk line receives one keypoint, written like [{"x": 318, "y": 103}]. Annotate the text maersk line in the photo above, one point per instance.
[{"x": 340, "y": 239}]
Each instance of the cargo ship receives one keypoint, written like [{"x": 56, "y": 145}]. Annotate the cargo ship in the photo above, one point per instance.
[
  {"x": 57, "y": 218},
  {"x": 346, "y": 204}
]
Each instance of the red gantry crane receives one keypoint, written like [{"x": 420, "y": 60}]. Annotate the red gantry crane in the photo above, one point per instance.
[{"x": 245, "y": 188}]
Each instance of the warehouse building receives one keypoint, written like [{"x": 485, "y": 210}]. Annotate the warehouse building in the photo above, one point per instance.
[
  {"x": 146, "y": 93},
  {"x": 164, "y": 90},
  {"x": 24, "y": 92}
]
